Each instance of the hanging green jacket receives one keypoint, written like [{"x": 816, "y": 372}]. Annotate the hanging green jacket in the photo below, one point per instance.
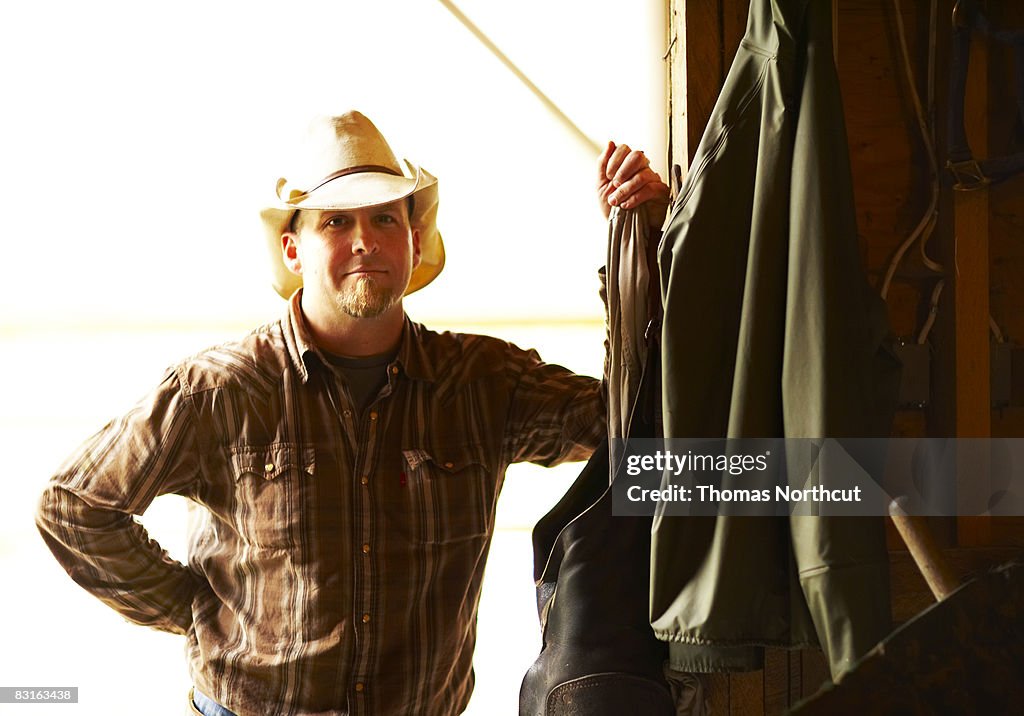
[{"x": 771, "y": 330}]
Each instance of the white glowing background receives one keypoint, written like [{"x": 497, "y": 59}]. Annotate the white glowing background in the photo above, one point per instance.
[{"x": 137, "y": 143}]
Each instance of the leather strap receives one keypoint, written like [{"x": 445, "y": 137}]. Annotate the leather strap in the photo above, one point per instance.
[{"x": 355, "y": 170}]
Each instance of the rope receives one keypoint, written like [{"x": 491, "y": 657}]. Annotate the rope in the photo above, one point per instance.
[{"x": 562, "y": 117}]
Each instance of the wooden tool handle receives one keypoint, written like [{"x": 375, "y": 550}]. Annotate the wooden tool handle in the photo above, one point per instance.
[{"x": 929, "y": 558}]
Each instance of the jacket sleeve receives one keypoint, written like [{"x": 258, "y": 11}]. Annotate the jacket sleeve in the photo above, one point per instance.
[{"x": 86, "y": 514}]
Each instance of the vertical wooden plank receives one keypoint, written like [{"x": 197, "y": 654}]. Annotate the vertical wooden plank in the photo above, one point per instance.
[
  {"x": 746, "y": 693},
  {"x": 796, "y": 676},
  {"x": 1006, "y": 250},
  {"x": 814, "y": 671},
  {"x": 835, "y": 32},
  {"x": 734, "y": 26},
  {"x": 971, "y": 294},
  {"x": 718, "y": 693},
  {"x": 776, "y": 681},
  {"x": 698, "y": 60},
  {"x": 1006, "y": 216},
  {"x": 941, "y": 413},
  {"x": 702, "y": 25},
  {"x": 678, "y": 137}
]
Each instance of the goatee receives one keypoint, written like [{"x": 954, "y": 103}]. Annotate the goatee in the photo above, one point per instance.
[{"x": 367, "y": 299}]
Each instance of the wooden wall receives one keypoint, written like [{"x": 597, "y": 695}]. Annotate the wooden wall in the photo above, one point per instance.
[
  {"x": 1006, "y": 237},
  {"x": 982, "y": 233}
]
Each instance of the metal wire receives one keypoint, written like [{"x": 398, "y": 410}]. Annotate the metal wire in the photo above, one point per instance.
[{"x": 926, "y": 225}]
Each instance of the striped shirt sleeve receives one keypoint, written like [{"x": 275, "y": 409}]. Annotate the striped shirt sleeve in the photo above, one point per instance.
[
  {"x": 556, "y": 415},
  {"x": 86, "y": 514}
]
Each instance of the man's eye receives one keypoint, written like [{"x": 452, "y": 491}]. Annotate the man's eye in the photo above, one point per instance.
[
  {"x": 385, "y": 219},
  {"x": 336, "y": 221}
]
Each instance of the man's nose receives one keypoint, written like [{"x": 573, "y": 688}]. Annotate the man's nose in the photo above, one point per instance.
[{"x": 363, "y": 239}]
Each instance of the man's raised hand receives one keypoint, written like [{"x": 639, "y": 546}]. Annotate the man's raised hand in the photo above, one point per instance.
[{"x": 625, "y": 179}]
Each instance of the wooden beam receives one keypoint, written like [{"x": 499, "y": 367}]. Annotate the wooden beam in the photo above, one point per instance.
[
  {"x": 696, "y": 72},
  {"x": 677, "y": 135},
  {"x": 718, "y": 693},
  {"x": 814, "y": 670},
  {"x": 746, "y": 693},
  {"x": 702, "y": 24},
  {"x": 776, "y": 681},
  {"x": 970, "y": 274}
]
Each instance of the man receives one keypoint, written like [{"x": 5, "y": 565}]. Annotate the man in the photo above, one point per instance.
[{"x": 348, "y": 460}]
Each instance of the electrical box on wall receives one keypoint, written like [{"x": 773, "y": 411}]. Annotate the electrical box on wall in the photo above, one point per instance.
[
  {"x": 915, "y": 382},
  {"x": 1006, "y": 374}
]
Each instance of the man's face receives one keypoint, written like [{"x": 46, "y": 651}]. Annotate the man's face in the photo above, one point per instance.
[{"x": 357, "y": 261}]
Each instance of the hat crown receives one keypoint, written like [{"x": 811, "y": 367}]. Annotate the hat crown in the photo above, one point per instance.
[{"x": 345, "y": 141}]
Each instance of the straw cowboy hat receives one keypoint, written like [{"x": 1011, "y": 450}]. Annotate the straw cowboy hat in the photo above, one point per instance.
[{"x": 345, "y": 163}]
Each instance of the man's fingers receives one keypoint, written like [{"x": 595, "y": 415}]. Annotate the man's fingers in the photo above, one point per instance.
[
  {"x": 615, "y": 161},
  {"x": 603, "y": 163},
  {"x": 644, "y": 180},
  {"x": 626, "y": 179},
  {"x": 625, "y": 190},
  {"x": 649, "y": 192},
  {"x": 634, "y": 163}
]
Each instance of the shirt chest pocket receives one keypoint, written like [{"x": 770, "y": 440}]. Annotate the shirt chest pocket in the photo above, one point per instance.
[
  {"x": 451, "y": 493},
  {"x": 270, "y": 492}
]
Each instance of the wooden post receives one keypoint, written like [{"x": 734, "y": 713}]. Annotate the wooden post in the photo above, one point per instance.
[
  {"x": 695, "y": 73},
  {"x": 970, "y": 274},
  {"x": 703, "y": 37}
]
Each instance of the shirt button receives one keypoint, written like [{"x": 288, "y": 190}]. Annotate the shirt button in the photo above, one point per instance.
[
  {"x": 366, "y": 549},
  {"x": 373, "y": 415},
  {"x": 269, "y": 467},
  {"x": 360, "y": 686},
  {"x": 449, "y": 465},
  {"x": 364, "y": 480},
  {"x": 366, "y": 619},
  {"x": 347, "y": 413},
  {"x": 394, "y": 370}
]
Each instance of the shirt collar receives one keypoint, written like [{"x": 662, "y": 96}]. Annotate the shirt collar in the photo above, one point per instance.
[{"x": 411, "y": 356}]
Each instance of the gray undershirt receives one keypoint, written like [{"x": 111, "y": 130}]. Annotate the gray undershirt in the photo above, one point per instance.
[{"x": 364, "y": 377}]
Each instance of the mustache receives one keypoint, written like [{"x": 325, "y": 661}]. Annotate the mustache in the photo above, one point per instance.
[{"x": 364, "y": 267}]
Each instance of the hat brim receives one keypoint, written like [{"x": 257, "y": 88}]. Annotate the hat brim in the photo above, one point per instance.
[{"x": 357, "y": 191}]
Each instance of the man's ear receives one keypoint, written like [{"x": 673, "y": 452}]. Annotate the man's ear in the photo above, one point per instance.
[
  {"x": 290, "y": 252},
  {"x": 416, "y": 255}
]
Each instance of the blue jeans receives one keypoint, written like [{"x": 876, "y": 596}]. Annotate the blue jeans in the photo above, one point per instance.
[{"x": 207, "y": 706}]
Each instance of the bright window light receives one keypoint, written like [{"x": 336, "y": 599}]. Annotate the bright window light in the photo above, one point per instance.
[{"x": 138, "y": 143}]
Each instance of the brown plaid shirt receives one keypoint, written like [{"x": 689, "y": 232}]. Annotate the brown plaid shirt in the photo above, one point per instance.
[{"x": 336, "y": 567}]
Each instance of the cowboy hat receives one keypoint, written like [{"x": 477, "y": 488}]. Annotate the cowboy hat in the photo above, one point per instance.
[{"x": 345, "y": 163}]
